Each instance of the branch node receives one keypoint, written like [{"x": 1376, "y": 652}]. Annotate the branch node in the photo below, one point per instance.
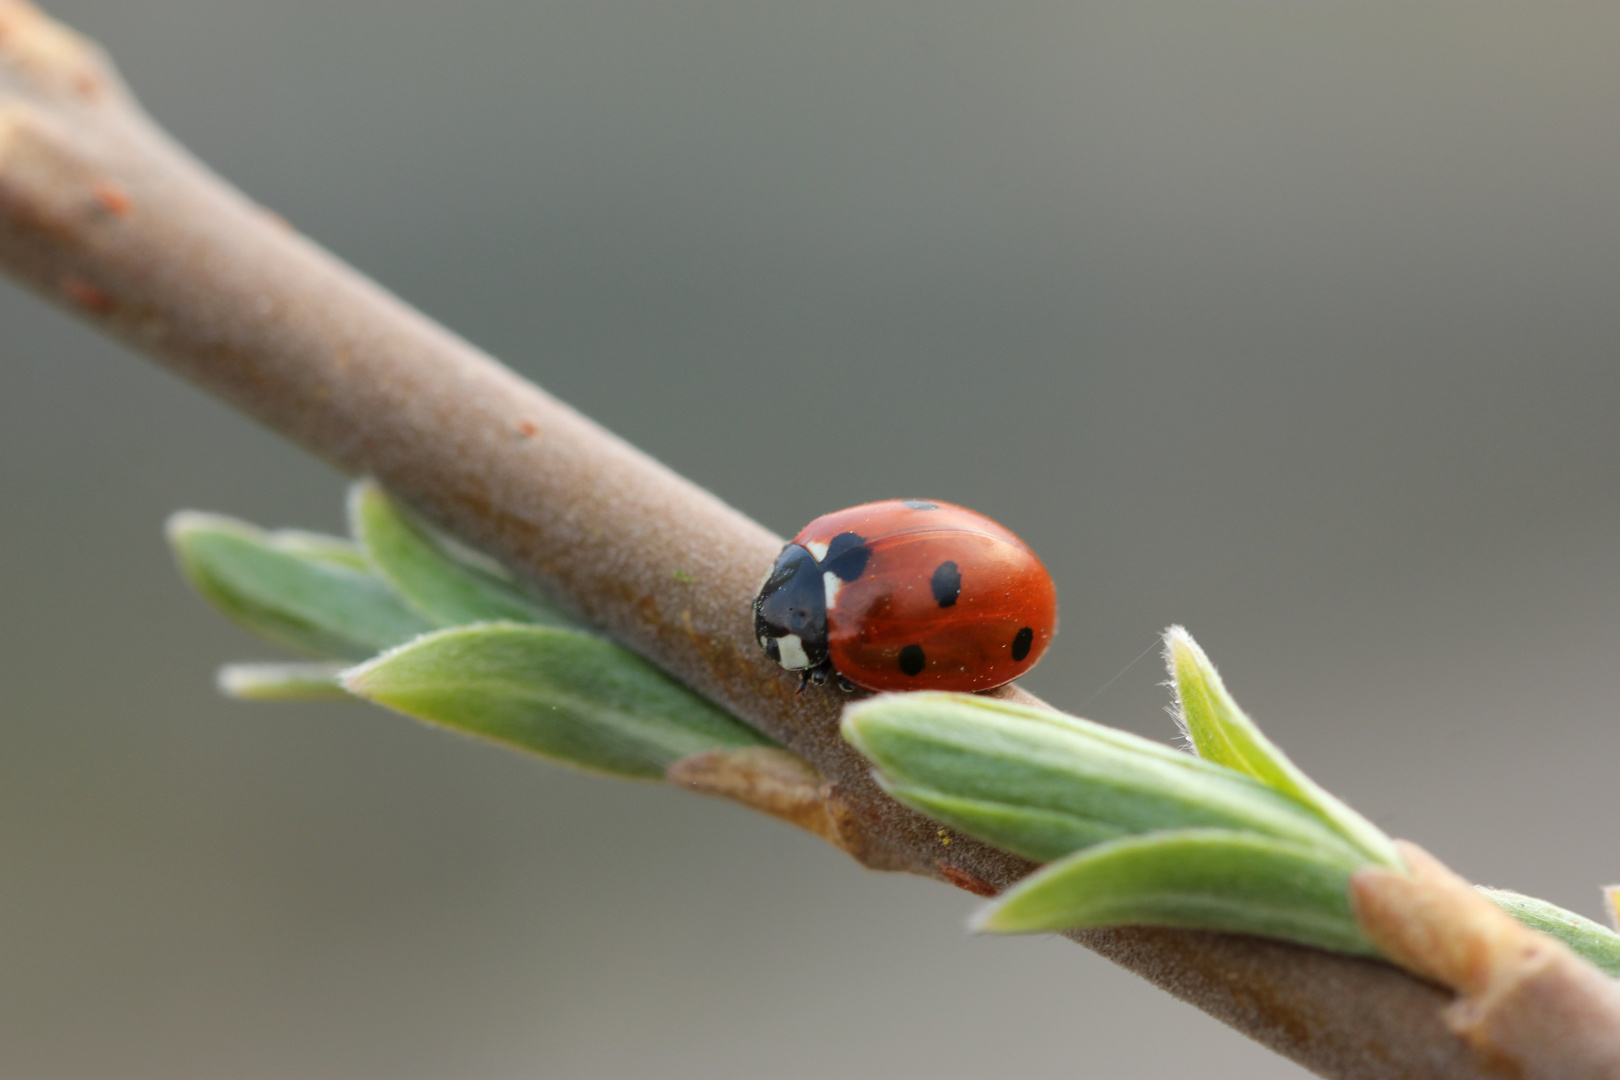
[
  {"x": 771, "y": 781},
  {"x": 1515, "y": 985}
]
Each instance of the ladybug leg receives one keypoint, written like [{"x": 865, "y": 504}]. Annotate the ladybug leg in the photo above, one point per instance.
[
  {"x": 817, "y": 675},
  {"x": 845, "y": 685}
]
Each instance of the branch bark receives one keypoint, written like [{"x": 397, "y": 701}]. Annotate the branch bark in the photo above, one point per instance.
[{"x": 103, "y": 214}]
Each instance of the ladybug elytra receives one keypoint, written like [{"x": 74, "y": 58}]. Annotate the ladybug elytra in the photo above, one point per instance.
[{"x": 906, "y": 594}]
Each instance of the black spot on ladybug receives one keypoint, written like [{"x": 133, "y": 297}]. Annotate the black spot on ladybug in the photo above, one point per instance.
[
  {"x": 841, "y": 544},
  {"x": 846, "y": 556},
  {"x": 918, "y": 504},
  {"x": 947, "y": 584},
  {"x": 1021, "y": 643},
  {"x": 912, "y": 659}
]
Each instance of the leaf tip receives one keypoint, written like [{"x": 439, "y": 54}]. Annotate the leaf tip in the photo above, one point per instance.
[
  {"x": 1197, "y": 690},
  {"x": 1183, "y": 657},
  {"x": 182, "y": 522},
  {"x": 855, "y": 724},
  {"x": 866, "y": 722},
  {"x": 235, "y": 681},
  {"x": 992, "y": 919},
  {"x": 280, "y": 682},
  {"x": 364, "y": 494},
  {"x": 356, "y": 679},
  {"x": 183, "y": 525}
]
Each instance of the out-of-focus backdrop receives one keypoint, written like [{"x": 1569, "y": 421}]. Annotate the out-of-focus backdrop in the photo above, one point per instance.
[{"x": 1297, "y": 325}]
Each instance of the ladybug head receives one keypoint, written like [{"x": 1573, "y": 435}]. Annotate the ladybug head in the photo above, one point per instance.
[{"x": 790, "y": 612}]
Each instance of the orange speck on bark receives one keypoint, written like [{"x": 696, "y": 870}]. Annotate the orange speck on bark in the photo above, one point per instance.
[
  {"x": 968, "y": 882},
  {"x": 112, "y": 198},
  {"x": 86, "y": 295}
]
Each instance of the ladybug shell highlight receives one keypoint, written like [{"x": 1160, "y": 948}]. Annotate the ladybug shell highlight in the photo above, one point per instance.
[{"x": 907, "y": 594}]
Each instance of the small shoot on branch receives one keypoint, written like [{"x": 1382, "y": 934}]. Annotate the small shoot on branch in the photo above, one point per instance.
[
  {"x": 1236, "y": 838},
  {"x": 462, "y": 646}
]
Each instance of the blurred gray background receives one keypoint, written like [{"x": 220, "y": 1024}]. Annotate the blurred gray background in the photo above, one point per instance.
[{"x": 1295, "y": 324}]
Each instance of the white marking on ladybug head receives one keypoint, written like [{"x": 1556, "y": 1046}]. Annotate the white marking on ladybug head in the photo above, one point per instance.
[
  {"x": 793, "y": 654},
  {"x": 833, "y": 583},
  {"x": 817, "y": 549}
]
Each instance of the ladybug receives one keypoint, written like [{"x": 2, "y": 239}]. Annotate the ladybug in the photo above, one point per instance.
[{"x": 906, "y": 594}]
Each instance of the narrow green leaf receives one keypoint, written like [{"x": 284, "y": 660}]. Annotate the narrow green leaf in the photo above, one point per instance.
[
  {"x": 1042, "y": 835},
  {"x": 1592, "y": 940},
  {"x": 297, "y": 590},
  {"x": 1207, "y": 879},
  {"x": 1221, "y": 732},
  {"x": 567, "y": 696},
  {"x": 321, "y": 548},
  {"x": 283, "y": 682},
  {"x": 437, "y": 585},
  {"x": 943, "y": 752}
]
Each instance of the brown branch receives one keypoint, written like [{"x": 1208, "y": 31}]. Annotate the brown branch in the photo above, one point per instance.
[{"x": 103, "y": 214}]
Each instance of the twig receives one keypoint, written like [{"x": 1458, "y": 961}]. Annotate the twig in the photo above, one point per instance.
[
  {"x": 103, "y": 214},
  {"x": 1516, "y": 987}
]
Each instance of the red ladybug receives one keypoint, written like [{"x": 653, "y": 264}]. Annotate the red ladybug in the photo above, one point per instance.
[{"x": 906, "y": 595}]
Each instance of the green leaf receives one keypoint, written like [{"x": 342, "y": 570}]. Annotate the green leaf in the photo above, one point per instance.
[
  {"x": 320, "y": 547},
  {"x": 1032, "y": 780},
  {"x": 1596, "y": 942},
  {"x": 1209, "y": 879},
  {"x": 1041, "y": 835},
  {"x": 1221, "y": 732},
  {"x": 283, "y": 682},
  {"x": 296, "y": 589},
  {"x": 445, "y": 589},
  {"x": 567, "y": 696}
]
